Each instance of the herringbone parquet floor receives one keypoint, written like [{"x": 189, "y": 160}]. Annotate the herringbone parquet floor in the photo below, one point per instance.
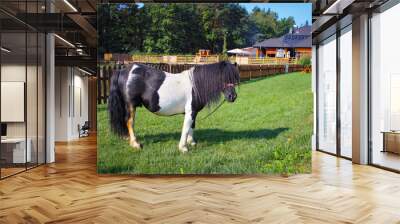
[{"x": 70, "y": 191}]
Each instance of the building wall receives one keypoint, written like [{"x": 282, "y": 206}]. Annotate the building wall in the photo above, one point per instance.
[
  {"x": 61, "y": 105},
  {"x": 14, "y": 73},
  {"x": 33, "y": 127},
  {"x": 92, "y": 104},
  {"x": 71, "y": 102}
]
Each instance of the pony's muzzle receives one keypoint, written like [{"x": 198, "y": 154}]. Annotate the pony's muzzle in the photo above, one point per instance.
[
  {"x": 230, "y": 93},
  {"x": 232, "y": 97}
]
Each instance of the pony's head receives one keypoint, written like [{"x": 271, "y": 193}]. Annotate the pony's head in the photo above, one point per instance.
[
  {"x": 230, "y": 92},
  {"x": 210, "y": 81}
]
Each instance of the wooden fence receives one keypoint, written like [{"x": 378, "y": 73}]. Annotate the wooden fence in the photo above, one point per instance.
[
  {"x": 196, "y": 59},
  {"x": 247, "y": 72},
  {"x": 271, "y": 61},
  {"x": 257, "y": 71}
]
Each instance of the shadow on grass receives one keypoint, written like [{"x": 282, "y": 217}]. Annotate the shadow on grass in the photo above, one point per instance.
[{"x": 218, "y": 135}]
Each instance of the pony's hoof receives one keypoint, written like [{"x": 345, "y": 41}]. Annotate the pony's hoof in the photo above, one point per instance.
[
  {"x": 136, "y": 145},
  {"x": 191, "y": 142},
  {"x": 183, "y": 149}
]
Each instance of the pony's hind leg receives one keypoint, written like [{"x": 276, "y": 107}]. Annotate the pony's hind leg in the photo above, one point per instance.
[{"x": 131, "y": 128}]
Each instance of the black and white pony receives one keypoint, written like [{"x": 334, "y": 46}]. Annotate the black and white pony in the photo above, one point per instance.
[{"x": 168, "y": 94}]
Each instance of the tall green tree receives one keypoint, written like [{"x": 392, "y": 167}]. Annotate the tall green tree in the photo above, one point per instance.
[
  {"x": 266, "y": 22},
  {"x": 284, "y": 25},
  {"x": 120, "y": 28},
  {"x": 171, "y": 28},
  {"x": 221, "y": 21},
  {"x": 185, "y": 28}
]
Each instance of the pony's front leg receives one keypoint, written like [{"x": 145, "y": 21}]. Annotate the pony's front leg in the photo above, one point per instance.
[
  {"x": 131, "y": 129},
  {"x": 187, "y": 123},
  {"x": 190, "y": 138}
]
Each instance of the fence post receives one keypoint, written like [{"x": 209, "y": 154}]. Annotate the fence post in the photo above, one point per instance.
[
  {"x": 109, "y": 81},
  {"x": 250, "y": 73},
  {"x": 99, "y": 85},
  {"x": 105, "y": 74}
]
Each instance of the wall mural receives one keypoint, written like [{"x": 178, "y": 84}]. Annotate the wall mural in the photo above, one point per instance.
[{"x": 191, "y": 95}]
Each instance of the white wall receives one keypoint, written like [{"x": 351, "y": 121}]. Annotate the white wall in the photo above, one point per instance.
[
  {"x": 16, "y": 73},
  {"x": 12, "y": 101},
  {"x": 62, "y": 81},
  {"x": 12, "y": 73},
  {"x": 81, "y": 82},
  {"x": 71, "y": 102},
  {"x": 33, "y": 126}
]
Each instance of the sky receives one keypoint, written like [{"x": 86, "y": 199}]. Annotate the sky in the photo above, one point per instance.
[{"x": 301, "y": 12}]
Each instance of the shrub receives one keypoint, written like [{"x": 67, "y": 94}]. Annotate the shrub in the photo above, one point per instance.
[{"x": 305, "y": 60}]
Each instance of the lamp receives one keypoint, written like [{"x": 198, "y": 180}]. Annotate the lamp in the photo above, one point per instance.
[
  {"x": 337, "y": 7},
  {"x": 5, "y": 50},
  {"x": 84, "y": 71},
  {"x": 70, "y": 5},
  {"x": 64, "y": 40}
]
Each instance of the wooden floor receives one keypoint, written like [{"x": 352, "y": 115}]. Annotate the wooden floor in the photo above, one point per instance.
[
  {"x": 387, "y": 159},
  {"x": 5, "y": 172},
  {"x": 70, "y": 191}
]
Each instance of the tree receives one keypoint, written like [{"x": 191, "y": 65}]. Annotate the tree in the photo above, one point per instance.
[
  {"x": 120, "y": 28},
  {"x": 284, "y": 25},
  {"x": 266, "y": 23},
  {"x": 171, "y": 28},
  {"x": 222, "y": 22},
  {"x": 224, "y": 47}
]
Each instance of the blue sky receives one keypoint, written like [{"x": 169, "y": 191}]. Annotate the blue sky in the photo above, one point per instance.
[{"x": 301, "y": 12}]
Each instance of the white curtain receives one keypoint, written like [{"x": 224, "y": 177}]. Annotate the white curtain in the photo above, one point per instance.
[
  {"x": 327, "y": 95},
  {"x": 346, "y": 92}
]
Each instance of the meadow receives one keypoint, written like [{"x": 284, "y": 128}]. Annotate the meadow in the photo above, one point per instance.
[{"x": 267, "y": 130}]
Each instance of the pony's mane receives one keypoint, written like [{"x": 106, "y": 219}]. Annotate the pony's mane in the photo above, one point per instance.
[{"x": 209, "y": 81}]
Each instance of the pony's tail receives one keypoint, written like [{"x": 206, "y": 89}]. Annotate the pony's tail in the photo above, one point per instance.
[{"x": 117, "y": 108}]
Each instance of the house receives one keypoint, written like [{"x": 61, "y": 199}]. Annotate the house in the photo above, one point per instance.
[{"x": 293, "y": 44}]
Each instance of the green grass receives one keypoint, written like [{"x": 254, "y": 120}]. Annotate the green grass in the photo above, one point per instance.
[{"x": 267, "y": 130}]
